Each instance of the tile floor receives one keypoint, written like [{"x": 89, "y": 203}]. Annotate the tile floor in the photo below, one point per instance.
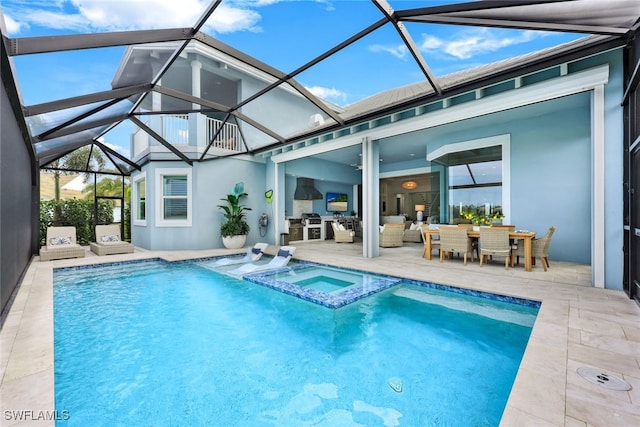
[{"x": 578, "y": 326}]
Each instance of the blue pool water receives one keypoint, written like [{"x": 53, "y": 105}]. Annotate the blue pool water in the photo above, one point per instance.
[{"x": 179, "y": 345}]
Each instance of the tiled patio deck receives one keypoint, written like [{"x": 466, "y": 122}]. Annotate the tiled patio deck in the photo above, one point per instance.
[{"x": 577, "y": 326}]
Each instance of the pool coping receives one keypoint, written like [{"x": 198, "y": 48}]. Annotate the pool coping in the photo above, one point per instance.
[{"x": 538, "y": 397}]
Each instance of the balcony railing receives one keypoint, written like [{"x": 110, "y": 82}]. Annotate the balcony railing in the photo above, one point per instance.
[
  {"x": 228, "y": 138},
  {"x": 175, "y": 130}
]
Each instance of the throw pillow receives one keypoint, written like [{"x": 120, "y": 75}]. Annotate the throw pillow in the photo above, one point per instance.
[
  {"x": 55, "y": 241},
  {"x": 341, "y": 227},
  {"x": 256, "y": 251},
  {"x": 110, "y": 238}
]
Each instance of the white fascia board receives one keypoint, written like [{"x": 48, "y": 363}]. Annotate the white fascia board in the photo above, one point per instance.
[
  {"x": 551, "y": 89},
  {"x": 405, "y": 172},
  {"x": 318, "y": 148},
  {"x": 489, "y": 141},
  {"x": 544, "y": 91}
]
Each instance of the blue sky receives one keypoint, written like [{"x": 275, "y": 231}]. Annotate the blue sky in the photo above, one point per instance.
[{"x": 283, "y": 34}]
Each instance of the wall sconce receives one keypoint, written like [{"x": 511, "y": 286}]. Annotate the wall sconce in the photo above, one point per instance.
[
  {"x": 409, "y": 185},
  {"x": 419, "y": 209}
]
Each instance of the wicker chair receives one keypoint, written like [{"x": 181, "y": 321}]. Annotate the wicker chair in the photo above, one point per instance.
[
  {"x": 342, "y": 235},
  {"x": 391, "y": 236},
  {"x": 108, "y": 241},
  {"x": 61, "y": 243},
  {"x": 539, "y": 249},
  {"x": 414, "y": 235},
  {"x": 455, "y": 239},
  {"x": 495, "y": 241}
]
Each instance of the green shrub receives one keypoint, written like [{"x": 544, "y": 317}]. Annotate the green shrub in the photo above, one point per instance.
[{"x": 76, "y": 213}]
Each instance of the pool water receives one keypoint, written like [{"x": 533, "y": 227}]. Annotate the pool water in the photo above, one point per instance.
[
  {"x": 159, "y": 344},
  {"x": 324, "y": 284}
]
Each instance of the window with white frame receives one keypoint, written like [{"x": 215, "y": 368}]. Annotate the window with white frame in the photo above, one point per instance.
[
  {"x": 478, "y": 175},
  {"x": 139, "y": 197},
  {"x": 173, "y": 190}
]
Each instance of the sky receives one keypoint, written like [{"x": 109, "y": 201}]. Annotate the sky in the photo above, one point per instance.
[{"x": 284, "y": 34}]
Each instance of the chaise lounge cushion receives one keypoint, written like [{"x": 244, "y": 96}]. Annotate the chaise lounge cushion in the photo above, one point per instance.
[
  {"x": 108, "y": 241},
  {"x": 61, "y": 244}
]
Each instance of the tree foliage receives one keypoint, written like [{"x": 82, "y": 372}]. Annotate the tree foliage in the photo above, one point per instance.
[{"x": 77, "y": 213}]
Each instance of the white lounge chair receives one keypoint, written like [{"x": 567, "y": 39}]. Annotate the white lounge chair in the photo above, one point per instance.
[
  {"x": 253, "y": 254},
  {"x": 108, "y": 241},
  {"x": 61, "y": 243},
  {"x": 280, "y": 260}
]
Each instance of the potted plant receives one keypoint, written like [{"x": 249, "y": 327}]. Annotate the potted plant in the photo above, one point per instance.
[
  {"x": 477, "y": 219},
  {"x": 235, "y": 229}
]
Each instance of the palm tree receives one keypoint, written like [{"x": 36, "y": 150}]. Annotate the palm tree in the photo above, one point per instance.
[
  {"x": 77, "y": 160},
  {"x": 73, "y": 162}
]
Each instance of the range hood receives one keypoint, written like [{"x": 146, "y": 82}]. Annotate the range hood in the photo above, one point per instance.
[{"x": 305, "y": 190}]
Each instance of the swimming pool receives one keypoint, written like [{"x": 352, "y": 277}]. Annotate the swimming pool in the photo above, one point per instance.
[{"x": 155, "y": 343}]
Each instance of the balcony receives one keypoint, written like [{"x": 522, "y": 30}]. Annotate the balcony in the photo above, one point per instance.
[{"x": 190, "y": 133}]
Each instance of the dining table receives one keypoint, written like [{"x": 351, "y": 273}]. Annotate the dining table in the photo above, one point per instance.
[{"x": 524, "y": 235}]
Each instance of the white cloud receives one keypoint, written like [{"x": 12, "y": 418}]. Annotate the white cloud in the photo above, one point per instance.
[
  {"x": 464, "y": 44},
  {"x": 399, "y": 51},
  {"x": 468, "y": 44},
  {"x": 11, "y": 25},
  {"x": 330, "y": 94},
  {"x": 100, "y": 15}
]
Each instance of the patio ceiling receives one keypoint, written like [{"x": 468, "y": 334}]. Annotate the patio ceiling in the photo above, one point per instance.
[{"x": 59, "y": 126}]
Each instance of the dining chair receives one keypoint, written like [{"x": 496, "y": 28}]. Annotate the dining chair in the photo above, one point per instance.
[
  {"x": 455, "y": 239},
  {"x": 495, "y": 241},
  {"x": 539, "y": 249}
]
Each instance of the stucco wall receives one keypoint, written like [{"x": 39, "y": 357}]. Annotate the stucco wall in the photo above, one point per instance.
[
  {"x": 16, "y": 210},
  {"x": 211, "y": 181}
]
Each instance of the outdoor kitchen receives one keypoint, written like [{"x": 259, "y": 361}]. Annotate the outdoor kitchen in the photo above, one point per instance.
[{"x": 304, "y": 224}]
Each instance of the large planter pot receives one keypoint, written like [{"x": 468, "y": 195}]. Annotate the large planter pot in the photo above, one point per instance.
[{"x": 234, "y": 242}]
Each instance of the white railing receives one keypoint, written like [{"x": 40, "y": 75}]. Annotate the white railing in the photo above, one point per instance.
[
  {"x": 175, "y": 128},
  {"x": 228, "y": 138}
]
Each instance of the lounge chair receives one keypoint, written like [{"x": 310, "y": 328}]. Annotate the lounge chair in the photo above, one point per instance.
[
  {"x": 108, "y": 241},
  {"x": 253, "y": 254},
  {"x": 282, "y": 258},
  {"x": 61, "y": 243}
]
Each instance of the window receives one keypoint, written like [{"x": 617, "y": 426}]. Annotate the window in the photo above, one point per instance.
[
  {"x": 174, "y": 197},
  {"x": 477, "y": 176},
  {"x": 139, "y": 198}
]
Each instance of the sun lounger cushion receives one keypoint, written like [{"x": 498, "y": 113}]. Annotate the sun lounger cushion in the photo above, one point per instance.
[{"x": 283, "y": 253}]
